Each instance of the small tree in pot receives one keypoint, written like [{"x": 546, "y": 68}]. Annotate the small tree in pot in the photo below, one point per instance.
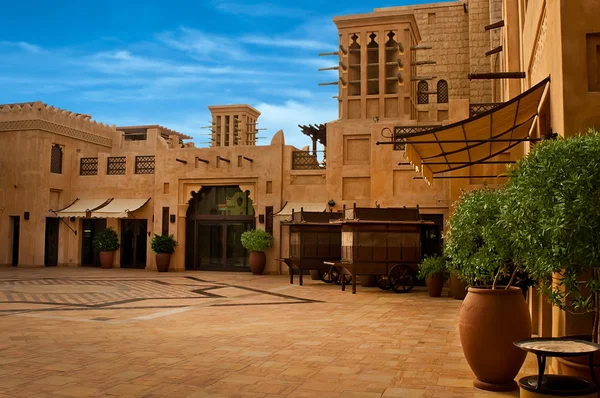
[
  {"x": 491, "y": 316},
  {"x": 435, "y": 272},
  {"x": 163, "y": 246},
  {"x": 553, "y": 216},
  {"x": 256, "y": 241},
  {"x": 106, "y": 242}
]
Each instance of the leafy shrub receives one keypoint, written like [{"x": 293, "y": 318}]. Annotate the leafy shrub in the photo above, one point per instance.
[
  {"x": 106, "y": 241},
  {"x": 256, "y": 240},
  {"x": 163, "y": 244},
  {"x": 433, "y": 265}
]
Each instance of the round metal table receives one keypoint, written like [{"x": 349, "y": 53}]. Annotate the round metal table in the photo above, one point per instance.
[{"x": 541, "y": 385}]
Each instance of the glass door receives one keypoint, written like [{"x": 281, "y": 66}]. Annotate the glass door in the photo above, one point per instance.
[{"x": 236, "y": 257}]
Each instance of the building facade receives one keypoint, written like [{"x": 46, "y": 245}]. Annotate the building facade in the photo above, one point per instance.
[{"x": 401, "y": 70}]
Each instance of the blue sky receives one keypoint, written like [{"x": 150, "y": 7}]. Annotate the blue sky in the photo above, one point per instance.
[{"x": 157, "y": 62}]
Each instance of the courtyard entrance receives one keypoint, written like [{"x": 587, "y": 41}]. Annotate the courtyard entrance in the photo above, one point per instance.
[
  {"x": 215, "y": 221},
  {"x": 90, "y": 228},
  {"x": 134, "y": 240}
]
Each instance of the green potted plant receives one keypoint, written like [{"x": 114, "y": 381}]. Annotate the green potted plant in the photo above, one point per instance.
[
  {"x": 553, "y": 216},
  {"x": 163, "y": 246},
  {"x": 494, "y": 312},
  {"x": 106, "y": 242},
  {"x": 435, "y": 272},
  {"x": 256, "y": 241}
]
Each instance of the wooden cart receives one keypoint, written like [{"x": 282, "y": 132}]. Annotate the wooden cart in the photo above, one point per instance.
[
  {"x": 384, "y": 243},
  {"x": 313, "y": 240}
]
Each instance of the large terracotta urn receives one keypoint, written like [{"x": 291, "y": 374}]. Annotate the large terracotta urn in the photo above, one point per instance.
[
  {"x": 107, "y": 259},
  {"x": 258, "y": 261},
  {"x": 162, "y": 261},
  {"x": 490, "y": 321},
  {"x": 435, "y": 284}
]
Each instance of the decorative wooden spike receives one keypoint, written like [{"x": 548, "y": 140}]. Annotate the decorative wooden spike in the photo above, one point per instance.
[
  {"x": 329, "y": 68},
  {"x": 417, "y": 78},
  {"x": 331, "y": 53},
  {"x": 493, "y": 51},
  {"x": 497, "y": 75},
  {"x": 415, "y": 63},
  {"x": 343, "y": 50},
  {"x": 329, "y": 84},
  {"x": 421, "y": 47},
  {"x": 343, "y": 66},
  {"x": 495, "y": 25}
]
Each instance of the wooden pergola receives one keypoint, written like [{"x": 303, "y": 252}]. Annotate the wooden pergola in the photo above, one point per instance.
[{"x": 317, "y": 133}]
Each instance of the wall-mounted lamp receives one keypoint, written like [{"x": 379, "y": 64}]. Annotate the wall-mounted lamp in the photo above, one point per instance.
[
  {"x": 172, "y": 218},
  {"x": 72, "y": 219},
  {"x": 261, "y": 218},
  {"x": 331, "y": 203},
  {"x": 26, "y": 215},
  {"x": 375, "y": 119}
]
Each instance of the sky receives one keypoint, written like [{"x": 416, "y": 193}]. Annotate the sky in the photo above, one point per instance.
[{"x": 134, "y": 62}]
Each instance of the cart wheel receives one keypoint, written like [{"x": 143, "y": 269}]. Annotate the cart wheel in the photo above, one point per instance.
[
  {"x": 402, "y": 278},
  {"x": 383, "y": 282},
  {"x": 335, "y": 277},
  {"x": 325, "y": 276}
]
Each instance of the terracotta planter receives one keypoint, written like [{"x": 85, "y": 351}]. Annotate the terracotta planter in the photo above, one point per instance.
[
  {"x": 258, "y": 261},
  {"x": 107, "y": 259},
  {"x": 162, "y": 261},
  {"x": 458, "y": 289},
  {"x": 490, "y": 321},
  {"x": 435, "y": 284}
]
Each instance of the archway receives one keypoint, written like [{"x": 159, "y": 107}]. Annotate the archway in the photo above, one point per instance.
[{"x": 215, "y": 219}]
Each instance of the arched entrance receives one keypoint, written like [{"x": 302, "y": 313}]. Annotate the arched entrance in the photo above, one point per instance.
[{"x": 215, "y": 220}]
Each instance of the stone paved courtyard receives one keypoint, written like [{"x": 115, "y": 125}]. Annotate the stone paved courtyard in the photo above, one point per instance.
[{"x": 79, "y": 332}]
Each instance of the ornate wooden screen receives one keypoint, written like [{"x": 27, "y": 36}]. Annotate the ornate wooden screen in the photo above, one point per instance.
[{"x": 88, "y": 166}]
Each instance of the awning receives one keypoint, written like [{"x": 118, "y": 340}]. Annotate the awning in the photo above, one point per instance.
[
  {"x": 81, "y": 207},
  {"x": 119, "y": 208},
  {"x": 287, "y": 209},
  {"x": 474, "y": 140}
]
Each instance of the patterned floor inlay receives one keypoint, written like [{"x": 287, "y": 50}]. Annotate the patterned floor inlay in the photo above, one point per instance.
[{"x": 69, "y": 294}]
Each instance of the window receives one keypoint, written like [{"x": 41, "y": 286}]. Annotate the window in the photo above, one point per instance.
[
  {"x": 422, "y": 95},
  {"x": 165, "y": 221},
  {"x": 442, "y": 92},
  {"x": 269, "y": 219},
  {"x": 56, "y": 158},
  {"x": 115, "y": 165},
  {"x": 144, "y": 165},
  {"x": 88, "y": 166},
  {"x": 220, "y": 201},
  {"x": 593, "y": 61}
]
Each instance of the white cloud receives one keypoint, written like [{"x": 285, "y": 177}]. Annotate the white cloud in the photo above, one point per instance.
[
  {"x": 287, "y": 43},
  {"x": 202, "y": 44},
  {"x": 288, "y": 115},
  {"x": 28, "y": 47}
]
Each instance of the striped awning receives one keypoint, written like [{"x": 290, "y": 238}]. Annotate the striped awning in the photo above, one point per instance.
[
  {"x": 82, "y": 207},
  {"x": 119, "y": 208},
  {"x": 476, "y": 139}
]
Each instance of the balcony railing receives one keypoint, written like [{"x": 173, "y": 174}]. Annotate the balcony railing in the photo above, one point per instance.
[
  {"x": 476, "y": 109},
  {"x": 308, "y": 160}
]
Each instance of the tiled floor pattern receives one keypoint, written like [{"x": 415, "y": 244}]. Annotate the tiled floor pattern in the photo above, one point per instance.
[{"x": 209, "y": 334}]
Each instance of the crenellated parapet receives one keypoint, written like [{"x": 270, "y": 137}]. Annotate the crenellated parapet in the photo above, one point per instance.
[{"x": 39, "y": 116}]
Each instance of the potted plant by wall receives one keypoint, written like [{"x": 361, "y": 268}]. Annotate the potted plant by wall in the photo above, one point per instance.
[
  {"x": 553, "y": 215},
  {"x": 256, "y": 241},
  {"x": 163, "y": 246},
  {"x": 435, "y": 272},
  {"x": 494, "y": 313},
  {"x": 106, "y": 242}
]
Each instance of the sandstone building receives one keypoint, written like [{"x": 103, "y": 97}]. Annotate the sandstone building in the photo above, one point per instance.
[{"x": 405, "y": 74}]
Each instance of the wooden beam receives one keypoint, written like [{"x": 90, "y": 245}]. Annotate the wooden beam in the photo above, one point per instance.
[
  {"x": 331, "y": 53},
  {"x": 497, "y": 75},
  {"x": 181, "y": 161},
  {"x": 415, "y": 63},
  {"x": 493, "y": 51},
  {"x": 418, "y": 78},
  {"x": 495, "y": 25},
  {"x": 421, "y": 47},
  {"x": 329, "y": 68}
]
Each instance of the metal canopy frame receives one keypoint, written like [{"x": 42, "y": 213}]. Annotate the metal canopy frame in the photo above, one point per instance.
[{"x": 476, "y": 140}]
